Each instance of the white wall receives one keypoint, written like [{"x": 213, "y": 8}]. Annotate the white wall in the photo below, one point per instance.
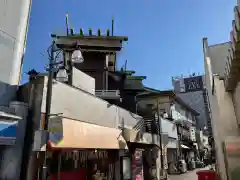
[
  {"x": 83, "y": 106},
  {"x": 83, "y": 81},
  {"x": 224, "y": 122},
  {"x": 169, "y": 127},
  {"x": 14, "y": 17},
  {"x": 179, "y": 113}
]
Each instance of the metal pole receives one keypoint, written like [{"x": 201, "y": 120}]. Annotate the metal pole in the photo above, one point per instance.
[
  {"x": 160, "y": 139},
  {"x": 48, "y": 108}
]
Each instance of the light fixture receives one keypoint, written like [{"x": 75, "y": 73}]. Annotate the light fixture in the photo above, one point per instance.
[
  {"x": 62, "y": 75},
  {"x": 77, "y": 56}
]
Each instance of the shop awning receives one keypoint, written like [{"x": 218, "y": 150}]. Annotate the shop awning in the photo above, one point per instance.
[
  {"x": 184, "y": 147},
  {"x": 74, "y": 134}
]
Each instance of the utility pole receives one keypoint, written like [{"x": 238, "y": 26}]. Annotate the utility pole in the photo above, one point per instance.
[
  {"x": 48, "y": 108},
  {"x": 160, "y": 139},
  {"x": 29, "y": 131}
]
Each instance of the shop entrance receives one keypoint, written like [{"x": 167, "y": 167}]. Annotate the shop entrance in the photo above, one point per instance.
[{"x": 84, "y": 164}]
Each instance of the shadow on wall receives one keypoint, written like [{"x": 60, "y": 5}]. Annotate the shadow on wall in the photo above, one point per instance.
[{"x": 7, "y": 93}]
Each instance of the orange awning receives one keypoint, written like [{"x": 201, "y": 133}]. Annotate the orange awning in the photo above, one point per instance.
[{"x": 74, "y": 134}]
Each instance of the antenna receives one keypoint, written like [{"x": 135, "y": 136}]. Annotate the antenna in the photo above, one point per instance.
[
  {"x": 67, "y": 29},
  {"x": 125, "y": 66},
  {"x": 112, "y": 25}
]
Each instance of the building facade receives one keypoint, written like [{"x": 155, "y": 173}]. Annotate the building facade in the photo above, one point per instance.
[
  {"x": 84, "y": 104},
  {"x": 13, "y": 32},
  {"x": 178, "y": 120},
  {"x": 222, "y": 82},
  {"x": 192, "y": 90}
]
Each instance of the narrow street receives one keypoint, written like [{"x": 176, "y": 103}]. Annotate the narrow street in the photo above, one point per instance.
[{"x": 191, "y": 175}]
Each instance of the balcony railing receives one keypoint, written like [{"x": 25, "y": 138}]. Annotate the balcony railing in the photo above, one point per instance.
[
  {"x": 232, "y": 66},
  {"x": 108, "y": 94}
]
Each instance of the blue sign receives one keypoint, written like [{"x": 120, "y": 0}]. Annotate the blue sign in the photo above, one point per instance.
[{"x": 8, "y": 133}]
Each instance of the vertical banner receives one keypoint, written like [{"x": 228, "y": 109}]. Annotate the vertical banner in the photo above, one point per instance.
[{"x": 137, "y": 165}]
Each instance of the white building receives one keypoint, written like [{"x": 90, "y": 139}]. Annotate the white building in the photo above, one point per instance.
[
  {"x": 14, "y": 17},
  {"x": 223, "y": 85}
]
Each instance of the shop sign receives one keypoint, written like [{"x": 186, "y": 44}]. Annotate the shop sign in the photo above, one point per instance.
[
  {"x": 85, "y": 155},
  {"x": 8, "y": 133},
  {"x": 192, "y": 134},
  {"x": 137, "y": 165},
  {"x": 193, "y": 83}
]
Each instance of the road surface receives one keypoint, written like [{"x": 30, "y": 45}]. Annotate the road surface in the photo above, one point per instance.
[{"x": 191, "y": 175}]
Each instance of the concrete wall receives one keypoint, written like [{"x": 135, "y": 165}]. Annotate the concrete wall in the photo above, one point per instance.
[
  {"x": 224, "y": 121},
  {"x": 7, "y": 93},
  {"x": 83, "y": 81},
  {"x": 218, "y": 54},
  {"x": 170, "y": 128},
  {"x": 236, "y": 101},
  {"x": 12, "y": 156},
  {"x": 164, "y": 103},
  {"x": 79, "y": 105},
  {"x": 14, "y": 16}
]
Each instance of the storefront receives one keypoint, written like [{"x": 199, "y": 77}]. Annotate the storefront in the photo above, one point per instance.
[
  {"x": 84, "y": 164},
  {"x": 84, "y": 151},
  {"x": 145, "y": 154}
]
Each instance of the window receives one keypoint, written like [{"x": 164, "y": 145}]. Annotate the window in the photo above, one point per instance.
[{"x": 213, "y": 86}]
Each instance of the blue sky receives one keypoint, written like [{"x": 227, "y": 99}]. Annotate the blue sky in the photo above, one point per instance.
[{"x": 165, "y": 36}]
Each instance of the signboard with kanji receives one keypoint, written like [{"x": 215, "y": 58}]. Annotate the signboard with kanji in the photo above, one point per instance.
[{"x": 194, "y": 83}]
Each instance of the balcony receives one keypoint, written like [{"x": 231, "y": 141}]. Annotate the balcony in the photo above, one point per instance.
[
  {"x": 232, "y": 66},
  {"x": 108, "y": 94},
  {"x": 151, "y": 127},
  {"x": 184, "y": 133}
]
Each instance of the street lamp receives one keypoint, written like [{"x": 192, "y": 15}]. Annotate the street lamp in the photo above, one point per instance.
[
  {"x": 77, "y": 56},
  {"x": 63, "y": 76}
]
